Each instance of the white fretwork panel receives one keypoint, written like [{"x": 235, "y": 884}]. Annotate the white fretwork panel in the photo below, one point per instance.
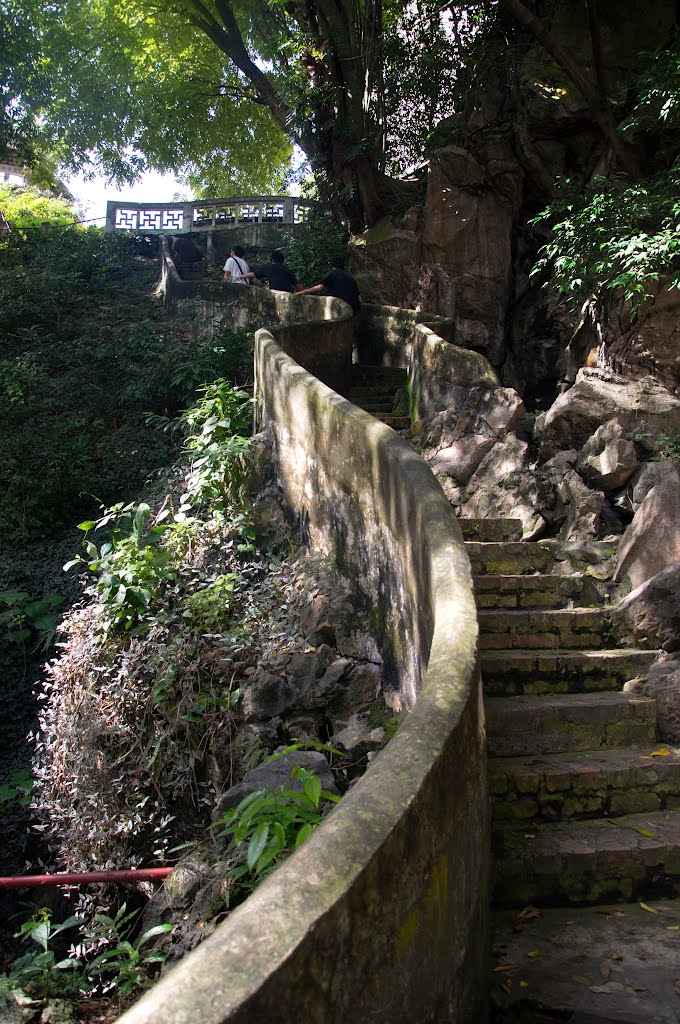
[
  {"x": 273, "y": 211},
  {"x": 150, "y": 220},
  {"x": 173, "y": 220},
  {"x": 203, "y": 215},
  {"x": 249, "y": 212},
  {"x": 126, "y": 220},
  {"x": 225, "y": 214}
]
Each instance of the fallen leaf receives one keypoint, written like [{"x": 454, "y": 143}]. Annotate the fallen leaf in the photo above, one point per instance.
[
  {"x": 528, "y": 914},
  {"x": 503, "y": 968},
  {"x": 524, "y": 984},
  {"x": 577, "y": 958},
  {"x": 605, "y": 969},
  {"x": 507, "y": 986},
  {"x": 635, "y": 987},
  {"x": 650, "y": 910},
  {"x": 533, "y": 953},
  {"x": 581, "y": 979},
  {"x": 646, "y": 832},
  {"x": 673, "y": 927},
  {"x": 608, "y": 988},
  {"x": 661, "y": 752},
  {"x": 611, "y": 821},
  {"x": 617, "y": 956}
]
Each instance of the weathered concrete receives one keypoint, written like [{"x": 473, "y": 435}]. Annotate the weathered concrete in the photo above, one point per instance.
[{"x": 382, "y": 914}]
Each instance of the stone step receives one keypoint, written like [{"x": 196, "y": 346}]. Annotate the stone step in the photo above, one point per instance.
[
  {"x": 514, "y": 557},
  {"x": 512, "y": 673},
  {"x": 518, "y": 726},
  {"x": 544, "y": 629},
  {"x": 495, "y": 590},
  {"x": 604, "y": 965},
  {"x": 592, "y": 783},
  {"x": 633, "y": 857},
  {"x": 396, "y": 422},
  {"x": 365, "y": 376},
  {"x": 488, "y": 530}
]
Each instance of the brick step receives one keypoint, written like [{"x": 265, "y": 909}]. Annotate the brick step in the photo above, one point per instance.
[
  {"x": 495, "y": 590},
  {"x": 543, "y": 629},
  {"x": 375, "y": 408},
  {"x": 586, "y": 862},
  {"x": 515, "y": 557},
  {"x": 593, "y": 783},
  {"x": 518, "y": 726},
  {"x": 487, "y": 530},
  {"x": 629, "y": 955},
  {"x": 513, "y": 673}
]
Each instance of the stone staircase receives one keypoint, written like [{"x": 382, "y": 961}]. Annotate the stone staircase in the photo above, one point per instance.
[
  {"x": 381, "y": 391},
  {"x": 585, "y": 801}
]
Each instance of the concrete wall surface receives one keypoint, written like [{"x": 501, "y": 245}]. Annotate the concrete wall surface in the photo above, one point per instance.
[{"x": 382, "y": 915}]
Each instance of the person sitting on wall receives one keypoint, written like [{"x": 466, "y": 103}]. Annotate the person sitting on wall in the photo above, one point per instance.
[
  {"x": 338, "y": 283},
  {"x": 276, "y": 274},
  {"x": 236, "y": 268}
]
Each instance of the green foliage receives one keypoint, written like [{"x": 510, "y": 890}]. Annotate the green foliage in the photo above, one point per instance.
[
  {"x": 132, "y": 566},
  {"x": 268, "y": 825},
  {"x": 215, "y": 443},
  {"x": 657, "y": 104},
  {"x": 27, "y": 208},
  {"x": 40, "y": 972},
  {"x": 312, "y": 248},
  {"x": 23, "y": 616},
  {"x": 125, "y": 964},
  {"x": 17, "y": 790},
  {"x": 613, "y": 235},
  {"x": 123, "y": 967}
]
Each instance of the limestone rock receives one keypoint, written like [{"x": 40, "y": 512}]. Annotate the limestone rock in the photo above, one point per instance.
[
  {"x": 599, "y": 396},
  {"x": 663, "y": 683},
  {"x": 652, "y": 541},
  {"x": 651, "y": 612},
  {"x": 607, "y": 459},
  {"x": 358, "y": 738}
]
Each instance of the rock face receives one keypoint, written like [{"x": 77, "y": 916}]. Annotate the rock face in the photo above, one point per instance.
[
  {"x": 454, "y": 255},
  {"x": 652, "y": 541},
  {"x": 652, "y": 344}
]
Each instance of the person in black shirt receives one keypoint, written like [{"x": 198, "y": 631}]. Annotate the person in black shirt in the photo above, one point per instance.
[
  {"x": 338, "y": 283},
  {"x": 277, "y": 275}
]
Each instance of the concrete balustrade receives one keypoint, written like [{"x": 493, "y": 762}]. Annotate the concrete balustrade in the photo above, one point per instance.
[{"x": 382, "y": 915}]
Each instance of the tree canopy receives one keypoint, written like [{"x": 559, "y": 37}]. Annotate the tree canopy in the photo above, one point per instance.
[{"x": 220, "y": 90}]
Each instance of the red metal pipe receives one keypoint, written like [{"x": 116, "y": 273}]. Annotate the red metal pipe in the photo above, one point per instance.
[{"x": 78, "y": 877}]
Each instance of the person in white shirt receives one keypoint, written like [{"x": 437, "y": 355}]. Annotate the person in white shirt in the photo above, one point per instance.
[{"x": 236, "y": 267}]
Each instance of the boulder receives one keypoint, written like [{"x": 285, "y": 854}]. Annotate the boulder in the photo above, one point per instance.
[
  {"x": 457, "y": 440},
  {"x": 276, "y": 774},
  {"x": 650, "y": 344},
  {"x": 643, "y": 406},
  {"x": 504, "y": 486},
  {"x": 607, "y": 460},
  {"x": 650, "y": 614},
  {"x": 663, "y": 683},
  {"x": 652, "y": 541}
]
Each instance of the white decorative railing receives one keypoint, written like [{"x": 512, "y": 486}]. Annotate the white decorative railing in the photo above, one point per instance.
[{"x": 206, "y": 214}]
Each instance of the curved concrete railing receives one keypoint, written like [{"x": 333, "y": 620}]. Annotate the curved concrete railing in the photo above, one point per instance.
[
  {"x": 203, "y": 215},
  {"x": 382, "y": 915}
]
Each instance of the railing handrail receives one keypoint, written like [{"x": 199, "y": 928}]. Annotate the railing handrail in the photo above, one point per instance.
[{"x": 181, "y": 217}]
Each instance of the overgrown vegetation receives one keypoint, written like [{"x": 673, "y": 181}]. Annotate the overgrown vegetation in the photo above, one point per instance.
[{"x": 85, "y": 353}]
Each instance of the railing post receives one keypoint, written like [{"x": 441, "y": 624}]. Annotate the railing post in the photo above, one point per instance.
[
  {"x": 110, "y": 215},
  {"x": 288, "y": 210}
]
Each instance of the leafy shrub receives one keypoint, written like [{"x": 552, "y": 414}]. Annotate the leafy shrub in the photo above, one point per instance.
[{"x": 613, "y": 235}]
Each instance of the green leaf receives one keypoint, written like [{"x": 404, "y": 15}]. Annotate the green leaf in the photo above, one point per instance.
[
  {"x": 312, "y": 789},
  {"x": 257, "y": 844}
]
